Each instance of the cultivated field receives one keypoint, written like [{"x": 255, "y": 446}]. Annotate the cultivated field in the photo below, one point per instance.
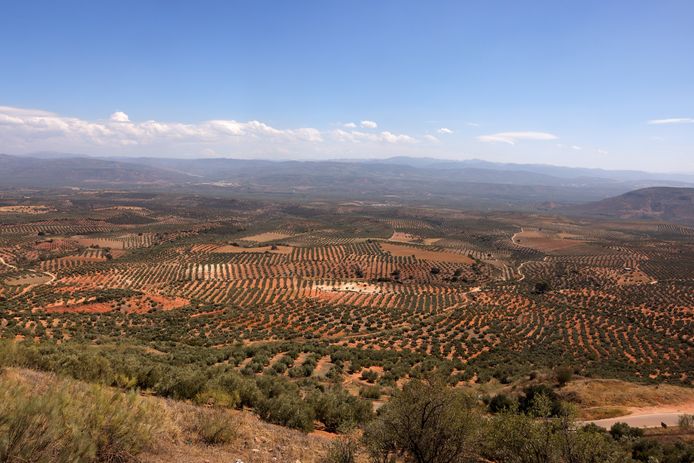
[{"x": 356, "y": 293}]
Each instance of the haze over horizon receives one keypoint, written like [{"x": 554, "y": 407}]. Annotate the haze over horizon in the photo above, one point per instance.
[{"x": 588, "y": 85}]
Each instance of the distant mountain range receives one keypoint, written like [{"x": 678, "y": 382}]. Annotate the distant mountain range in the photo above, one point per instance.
[{"x": 472, "y": 183}]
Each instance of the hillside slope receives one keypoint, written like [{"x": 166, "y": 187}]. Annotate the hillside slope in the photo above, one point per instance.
[
  {"x": 657, "y": 203},
  {"x": 151, "y": 430}
]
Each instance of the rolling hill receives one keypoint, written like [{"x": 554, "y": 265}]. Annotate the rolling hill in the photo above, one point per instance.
[
  {"x": 23, "y": 171},
  {"x": 657, "y": 203}
]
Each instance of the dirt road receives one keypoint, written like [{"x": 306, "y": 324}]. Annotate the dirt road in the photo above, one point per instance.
[{"x": 652, "y": 420}]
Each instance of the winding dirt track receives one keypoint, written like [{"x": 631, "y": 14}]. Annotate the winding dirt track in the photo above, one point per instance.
[{"x": 53, "y": 276}]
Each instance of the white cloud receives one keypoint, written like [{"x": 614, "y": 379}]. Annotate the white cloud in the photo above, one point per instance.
[
  {"x": 431, "y": 138},
  {"x": 356, "y": 136},
  {"x": 512, "y": 138},
  {"x": 350, "y": 125},
  {"x": 673, "y": 120},
  {"x": 368, "y": 124},
  {"x": 120, "y": 116},
  {"x": 472, "y": 124},
  {"x": 601, "y": 151},
  {"x": 576, "y": 148},
  {"x": 27, "y": 130},
  {"x": 445, "y": 131},
  {"x": 396, "y": 138}
]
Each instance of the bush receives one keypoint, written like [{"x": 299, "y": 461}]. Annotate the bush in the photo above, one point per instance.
[
  {"x": 287, "y": 410},
  {"x": 218, "y": 397},
  {"x": 685, "y": 421},
  {"x": 519, "y": 438},
  {"x": 564, "y": 375},
  {"x": 529, "y": 400},
  {"x": 622, "y": 431},
  {"x": 339, "y": 411},
  {"x": 427, "y": 422},
  {"x": 342, "y": 451},
  {"x": 370, "y": 392},
  {"x": 369, "y": 376},
  {"x": 182, "y": 384},
  {"x": 215, "y": 427},
  {"x": 72, "y": 422},
  {"x": 501, "y": 403}
]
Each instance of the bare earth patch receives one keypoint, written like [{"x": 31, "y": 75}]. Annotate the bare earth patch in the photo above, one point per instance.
[
  {"x": 98, "y": 242},
  {"x": 31, "y": 210},
  {"x": 547, "y": 241},
  {"x": 425, "y": 254},
  {"x": 230, "y": 249},
  {"x": 265, "y": 237},
  {"x": 403, "y": 237},
  {"x": 137, "y": 304},
  {"x": 32, "y": 279},
  {"x": 351, "y": 286}
]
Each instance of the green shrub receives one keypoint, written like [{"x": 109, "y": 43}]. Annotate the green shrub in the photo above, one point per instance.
[
  {"x": 622, "y": 431},
  {"x": 339, "y": 411},
  {"x": 370, "y": 392},
  {"x": 218, "y": 397},
  {"x": 369, "y": 376},
  {"x": 564, "y": 375},
  {"x": 502, "y": 402},
  {"x": 216, "y": 427},
  {"x": 287, "y": 410},
  {"x": 426, "y": 422},
  {"x": 342, "y": 451},
  {"x": 182, "y": 383}
]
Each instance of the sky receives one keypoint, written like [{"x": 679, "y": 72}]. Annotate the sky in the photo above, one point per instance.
[{"x": 589, "y": 83}]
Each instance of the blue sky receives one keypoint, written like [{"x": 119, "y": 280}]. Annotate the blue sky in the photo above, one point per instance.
[{"x": 590, "y": 83}]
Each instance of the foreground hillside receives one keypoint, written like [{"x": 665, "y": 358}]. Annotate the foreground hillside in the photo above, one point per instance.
[
  {"x": 44, "y": 418},
  {"x": 117, "y": 427},
  {"x": 659, "y": 203}
]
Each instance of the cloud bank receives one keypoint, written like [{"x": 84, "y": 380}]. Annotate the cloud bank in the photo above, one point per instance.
[{"x": 25, "y": 130}]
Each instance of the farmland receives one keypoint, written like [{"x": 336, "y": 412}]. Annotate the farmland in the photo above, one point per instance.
[{"x": 357, "y": 293}]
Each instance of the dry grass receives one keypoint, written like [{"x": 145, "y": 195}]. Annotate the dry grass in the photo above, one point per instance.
[
  {"x": 229, "y": 249},
  {"x": 614, "y": 393},
  {"x": 601, "y": 413}
]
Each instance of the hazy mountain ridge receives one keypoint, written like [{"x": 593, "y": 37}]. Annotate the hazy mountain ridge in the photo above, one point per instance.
[{"x": 465, "y": 183}]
